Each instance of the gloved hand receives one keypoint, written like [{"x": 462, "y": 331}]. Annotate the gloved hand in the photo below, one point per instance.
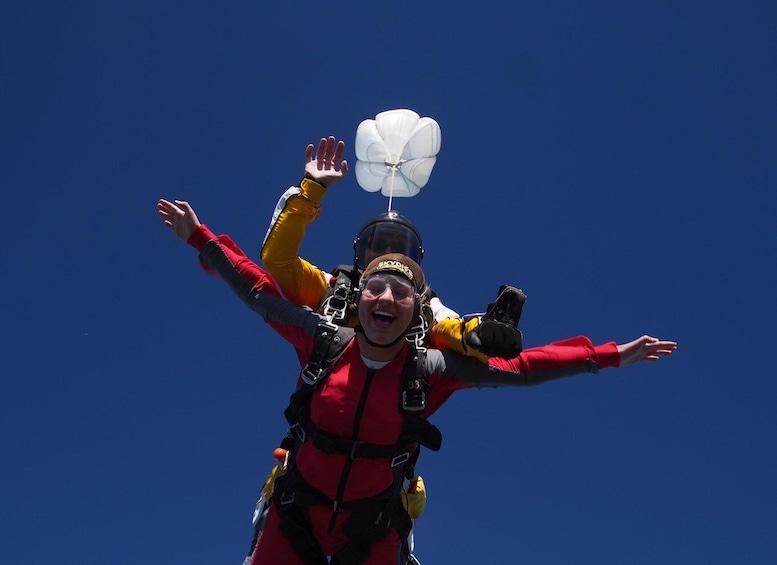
[
  {"x": 498, "y": 335},
  {"x": 496, "y": 339}
]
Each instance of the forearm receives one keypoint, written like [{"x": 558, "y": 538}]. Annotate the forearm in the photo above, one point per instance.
[
  {"x": 252, "y": 285},
  {"x": 533, "y": 366},
  {"x": 300, "y": 281}
]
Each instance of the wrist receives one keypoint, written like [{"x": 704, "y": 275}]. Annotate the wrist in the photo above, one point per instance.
[
  {"x": 312, "y": 189},
  {"x": 309, "y": 179}
]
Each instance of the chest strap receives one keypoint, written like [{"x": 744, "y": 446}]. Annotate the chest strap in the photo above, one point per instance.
[{"x": 329, "y": 443}]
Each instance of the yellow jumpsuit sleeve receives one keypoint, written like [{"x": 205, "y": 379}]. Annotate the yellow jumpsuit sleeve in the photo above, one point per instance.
[
  {"x": 449, "y": 334},
  {"x": 300, "y": 281}
]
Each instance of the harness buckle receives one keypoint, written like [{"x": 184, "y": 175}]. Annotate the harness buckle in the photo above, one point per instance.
[
  {"x": 310, "y": 377},
  {"x": 335, "y": 307},
  {"x": 400, "y": 459},
  {"x": 317, "y": 367},
  {"x": 287, "y": 497},
  {"x": 300, "y": 433},
  {"x": 354, "y": 448},
  {"x": 415, "y": 402}
]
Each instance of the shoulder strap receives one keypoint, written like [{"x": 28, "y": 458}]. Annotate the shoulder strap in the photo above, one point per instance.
[
  {"x": 415, "y": 383},
  {"x": 414, "y": 388},
  {"x": 328, "y": 346}
]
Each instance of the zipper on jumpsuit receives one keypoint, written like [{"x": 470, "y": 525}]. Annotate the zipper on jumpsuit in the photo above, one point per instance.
[{"x": 357, "y": 420}]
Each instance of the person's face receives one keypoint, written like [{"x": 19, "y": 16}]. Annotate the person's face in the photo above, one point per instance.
[{"x": 386, "y": 307}]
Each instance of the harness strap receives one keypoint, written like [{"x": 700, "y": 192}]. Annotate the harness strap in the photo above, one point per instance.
[
  {"x": 414, "y": 382},
  {"x": 330, "y": 443},
  {"x": 296, "y": 525},
  {"x": 295, "y": 491},
  {"x": 371, "y": 520},
  {"x": 321, "y": 361}
]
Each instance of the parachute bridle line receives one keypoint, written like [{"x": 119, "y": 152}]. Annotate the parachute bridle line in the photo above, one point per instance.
[{"x": 394, "y": 166}]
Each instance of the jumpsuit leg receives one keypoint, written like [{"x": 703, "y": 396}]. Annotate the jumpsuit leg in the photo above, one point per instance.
[{"x": 273, "y": 547}]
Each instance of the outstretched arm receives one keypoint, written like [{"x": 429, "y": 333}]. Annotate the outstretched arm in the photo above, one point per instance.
[
  {"x": 251, "y": 283},
  {"x": 561, "y": 359}
]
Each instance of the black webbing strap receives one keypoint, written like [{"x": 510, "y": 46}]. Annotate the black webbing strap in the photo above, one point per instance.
[
  {"x": 330, "y": 443},
  {"x": 295, "y": 491},
  {"x": 328, "y": 346},
  {"x": 415, "y": 384}
]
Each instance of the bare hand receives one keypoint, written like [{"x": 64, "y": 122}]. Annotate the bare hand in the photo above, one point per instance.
[
  {"x": 645, "y": 348},
  {"x": 324, "y": 168},
  {"x": 179, "y": 217}
]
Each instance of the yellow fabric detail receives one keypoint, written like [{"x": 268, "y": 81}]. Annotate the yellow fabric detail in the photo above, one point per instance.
[
  {"x": 269, "y": 484},
  {"x": 415, "y": 499},
  {"x": 448, "y": 334}
]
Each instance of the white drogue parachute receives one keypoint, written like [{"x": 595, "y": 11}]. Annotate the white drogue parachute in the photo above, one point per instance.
[{"x": 395, "y": 152}]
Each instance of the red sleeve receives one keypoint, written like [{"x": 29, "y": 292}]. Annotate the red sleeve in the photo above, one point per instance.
[
  {"x": 244, "y": 266},
  {"x": 566, "y": 353}
]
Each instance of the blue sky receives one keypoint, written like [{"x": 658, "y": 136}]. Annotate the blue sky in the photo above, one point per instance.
[{"x": 614, "y": 160}]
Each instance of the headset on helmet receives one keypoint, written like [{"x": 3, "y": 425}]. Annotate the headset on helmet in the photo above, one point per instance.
[{"x": 389, "y": 232}]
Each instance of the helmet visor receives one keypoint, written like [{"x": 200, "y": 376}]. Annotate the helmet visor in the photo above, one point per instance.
[{"x": 384, "y": 238}]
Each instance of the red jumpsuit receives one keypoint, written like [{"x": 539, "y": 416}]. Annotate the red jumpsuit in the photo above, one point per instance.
[{"x": 362, "y": 404}]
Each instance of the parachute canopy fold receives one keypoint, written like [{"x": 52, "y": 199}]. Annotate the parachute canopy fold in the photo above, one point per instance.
[{"x": 395, "y": 152}]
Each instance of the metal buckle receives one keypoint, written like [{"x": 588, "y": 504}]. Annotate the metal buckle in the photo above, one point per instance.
[
  {"x": 354, "y": 447},
  {"x": 300, "y": 433},
  {"x": 310, "y": 378},
  {"x": 419, "y": 407},
  {"x": 333, "y": 312},
  {"x": 399, "y": 459}
]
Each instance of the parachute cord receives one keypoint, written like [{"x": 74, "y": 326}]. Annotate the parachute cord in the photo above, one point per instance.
[{"x": 391, "y": 188}]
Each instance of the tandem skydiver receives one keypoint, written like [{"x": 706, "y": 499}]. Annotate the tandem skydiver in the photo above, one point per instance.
[
  {"x": 495, "y": 334},
  {"x": 340, "y": 496}
]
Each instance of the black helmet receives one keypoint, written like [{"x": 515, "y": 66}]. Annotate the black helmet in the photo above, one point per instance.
[{"x": 389, "y": 232}]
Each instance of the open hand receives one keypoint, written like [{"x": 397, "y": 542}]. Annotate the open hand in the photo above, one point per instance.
[
  {"x": 645, "y": 348},
  {"x": 179, "y": 217},
  {"x": 328, "y": 165}
]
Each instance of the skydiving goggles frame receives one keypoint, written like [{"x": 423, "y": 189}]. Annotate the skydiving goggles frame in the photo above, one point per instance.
[{"x": 403, "y": 291}]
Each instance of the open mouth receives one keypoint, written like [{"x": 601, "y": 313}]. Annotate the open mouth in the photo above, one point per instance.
[{"x": 383, "y": 319}]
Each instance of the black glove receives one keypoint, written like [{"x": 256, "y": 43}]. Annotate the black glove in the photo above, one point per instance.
[{"x": 498, "y": 335}]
